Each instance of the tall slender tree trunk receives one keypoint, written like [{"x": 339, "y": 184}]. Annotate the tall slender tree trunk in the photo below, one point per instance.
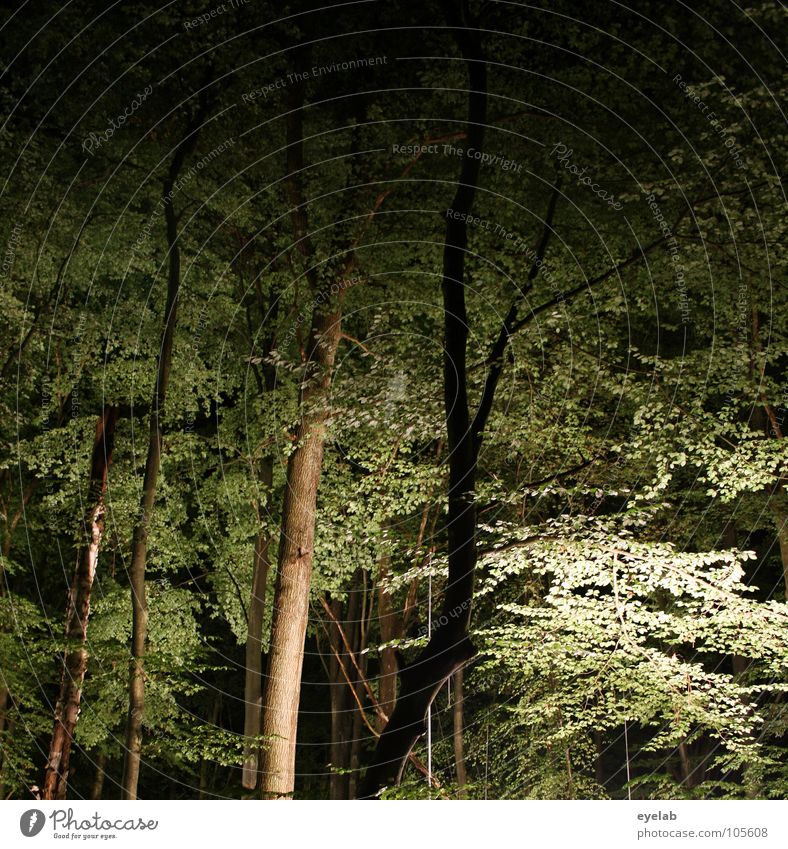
[
  {"x": 213, "y": 721},
  {"x": 777, "y": 503},
  {"x": 394, "y": 625},
  {"x": 265, "y": 376},
  {"x": 139, "y": 550},
  {"x": 344, "y": 682},
  {"x": 458, "y": 716},
  {"x": 356, "y": 738},
  {"x": 75, "y": 660},
  {"x": 349, "y": 685},
  {"x": 282, "y": 686},
  {"x": 98, "y": 781},
  {"x": 341, "y": 707},
  {"x": 253, "y": 689},
  {"x": 765, "y": 419},
  {"x": 449, "y": 647},
  {"x": 291, "y": 596},
  {"x": 599, "y": 764},
  {"x": 358, "y": 647},
  {"x": 686, "y": 766},
  {"x": 390, "y": 629}
]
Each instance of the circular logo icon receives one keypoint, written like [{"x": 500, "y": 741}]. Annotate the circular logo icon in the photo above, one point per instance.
[{"x": 31, "y": 822}]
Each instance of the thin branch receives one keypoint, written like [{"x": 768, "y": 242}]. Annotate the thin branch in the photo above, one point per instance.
[
  {"x": 375, "y": 704},
  {"x": 351, "y": 654},
  {"x": 566, "y": 472},
  {"x": 495, "y": 357},
  {"x": 637, "y": 255},
  {"x": 358, "y": 342}
]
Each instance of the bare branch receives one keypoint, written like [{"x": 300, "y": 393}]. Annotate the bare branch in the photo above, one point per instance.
[{"x": 495, "y": 357}]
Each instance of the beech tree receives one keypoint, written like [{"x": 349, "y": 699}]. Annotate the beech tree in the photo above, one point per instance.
[
  {"x": 452, "y": 464},
  {"x": 139, "y": 549},
  {"x": 77, "y": 613}
]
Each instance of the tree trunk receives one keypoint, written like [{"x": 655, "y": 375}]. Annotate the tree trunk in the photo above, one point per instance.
[
  {"x": 341, "y": 708},
  {"x": 213, "y": 721},
  {"x": 766, "y": 420},
  {"x": 449, "y": 647},
  {"x": 349, "y": 685},
  {"x": 458, "y": 716},
  {"x": 343, "y": 703},
  {"x": 291, "y": 596},
  {"x": 781, "y": 520},
  {"x": 359, "y": 645},
  {"x": 599, "y": 764},
  {"x": 75, "y": 660},
  {"x": 253, "y": 694},
  {"x": 686, "y": 766},
  {"x": 98, "y": 781},
  {"x": 728, "y": 538},
  {"x": 139, "y": 551},
  {"x": 398, "y": 625},
  {"x": 390, "y": 629},
  {"x": 265, "y": 375}
]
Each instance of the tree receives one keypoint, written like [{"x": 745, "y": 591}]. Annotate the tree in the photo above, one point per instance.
[
  {"x": 484, "y": 318},
  {"x": 294, "y": 572},
  {"x": 76, "y": 656},
  {"x": 139, "y": 551}
]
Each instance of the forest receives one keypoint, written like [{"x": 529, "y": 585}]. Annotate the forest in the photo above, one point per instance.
[{"x": 393, "y": 400}]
